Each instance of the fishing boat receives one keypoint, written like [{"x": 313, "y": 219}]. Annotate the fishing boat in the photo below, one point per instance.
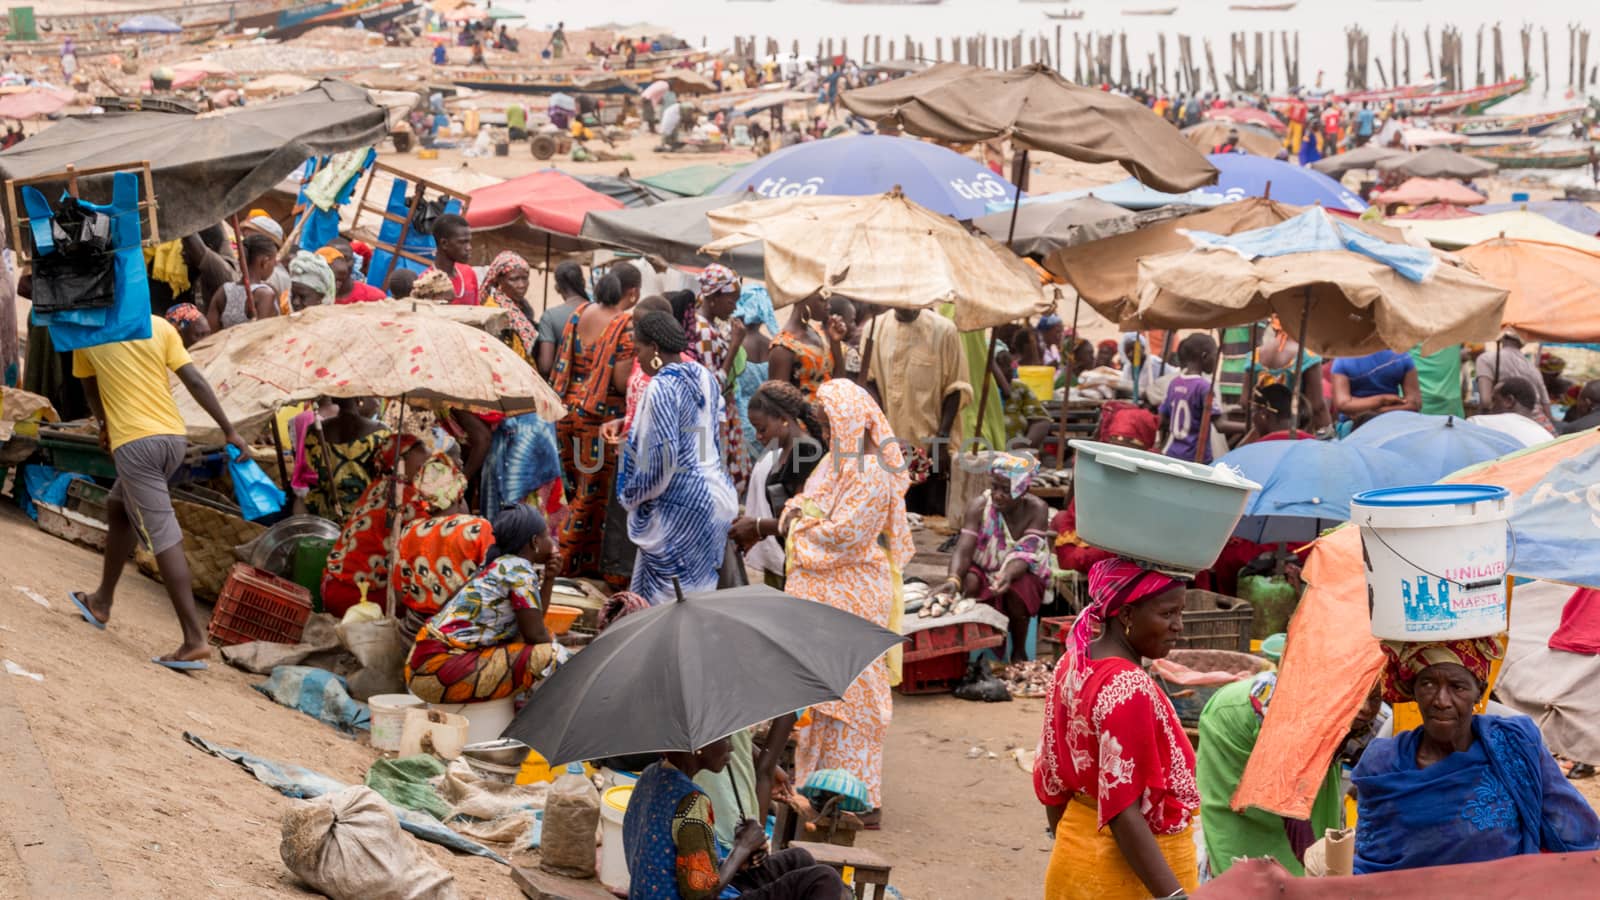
[
  {"x": 1065, "y": 14},
  {"x": 1263, "y": 7},
  {"x": 1531, "y": 158},
  {"x": 301, "y": 19},
  {"x": 1468, "y": 102},
  {"x": 1527, "y": 125},
  {"x": 1162, "y": 11},
  {"x": 527, "y": 81}
]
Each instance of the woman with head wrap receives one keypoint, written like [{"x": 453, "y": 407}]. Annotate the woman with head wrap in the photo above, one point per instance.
[
  {"x": 714, "y": 341},
  {"x": 311, "y": 283},
  {"x": 191, "y": 324},
  {"x": 360, "y": 555},
  {"x": 432, "y": 285},
  {"x": 848, "y": 542},
  {"x": 671, "y": 480},
  {"x": 790, "y": 436},
  {"x": 752, "y": 361},
  {"x": 591, "y": 375},
  {"x": 1113, "y": 752},
  {"x": 1462, "y": 787},
  {"x": 439, "y": 552},
  {"x": 344, "y": 449},
  {"x": 506, "y": 287},
  {"x": 488, "y": 641},
  {"x": 574, "y": 293},
  {"x": 1003, "y": 554},
  {"x": 256, "y": 292},
  {"x": 801, "y": 354}
]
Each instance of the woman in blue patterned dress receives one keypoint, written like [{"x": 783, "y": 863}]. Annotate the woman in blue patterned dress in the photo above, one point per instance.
[{"x": 672, "y": 481}]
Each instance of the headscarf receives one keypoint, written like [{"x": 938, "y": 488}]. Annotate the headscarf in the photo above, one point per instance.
[
  {"x": 513, "y": 528},
  {"x": 433, "y": 285},
  {"x": 853, "y": 415},
  {"x": 182, "y": 314},
  {"x": 1017, "y": 469},
  {"x": 1113, "y": 584},
  {"x": 507, "y": 263},
  {"x": 716, "y": 279},
  {"x": 388, "y": 459},
  {"x": 1404, "y": 661},
  {"x": 755, "y": 308},
  {"x": 1131, "y": 423},
  {"x": 1047, "y": 322},
  {"x": 264, "y": 224},
  {"x": 440, "y": 483},
  {"x": 1551, "y": 364},
  {"x": 312, "y": 271},
  {"x": 330, "y": 254}
]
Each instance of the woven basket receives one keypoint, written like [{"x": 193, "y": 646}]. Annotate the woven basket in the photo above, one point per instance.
[{"x": 209, "y": 536}]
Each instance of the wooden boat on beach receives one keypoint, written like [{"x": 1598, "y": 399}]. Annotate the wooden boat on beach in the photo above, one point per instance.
[
  {"x": 1065, "y": 14},
  {"x": 1263, "y": 7},
  {"x": 533, "y": 81},
  {"x": 1162, "y": 11},
  {"x": 1427, "y": 100},
  {"x": 1522, "y": 157},
  {"x": 1527, "y": 125}
]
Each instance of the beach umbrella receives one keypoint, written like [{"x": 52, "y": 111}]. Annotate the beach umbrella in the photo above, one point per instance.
[
  {"x": 1306, "y": 486},
  {"x": 674, "y": 231},
  {"x": 1128, "y": 194},
  {"x": 1518, "y": 225},
  {"x": 884, "y": 249},
  {"x": 1436, "y": 445},
  {"x": 1043, "y": 227},
  {"x": 1241, "y": 176},
  {"x": 1437, "y": 212},
  {"x": 425, "y": 352},
  {"x": 548, "y": 203},
  {"x": 1247, "y": 115},
  {"x": 693, "y": 180},
  {"x": 1343, "y": 292},
  {"x": 684, "y": 674},
  {"x": 1256, "y": 141},
  {"x": 1422, "y": 191},
  {"x": 1570, "y": 213},
  {"x": 1366, "y": 157},
  {"x": 862, "y": 165},
  {"x": 1439, "y": 162},
  {"x": 33, "y": 103},
  {"x": 1554, "y": 290},
  {"x": 1553, "y": 534},
  {"x": 148, "y": 23},
  {"x": 500, "y": 12},
  {"x": 1037, "y": 109}
]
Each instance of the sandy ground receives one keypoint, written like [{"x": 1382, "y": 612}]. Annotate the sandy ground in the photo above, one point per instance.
[{"x": 161, "y": 819}]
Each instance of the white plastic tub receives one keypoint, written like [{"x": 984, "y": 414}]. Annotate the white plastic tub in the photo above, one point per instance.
[
  {"x": 613, "y": 862},
  {"x": 485, "y": 721},
  {"x": 1154, "y": 508},
  {"x": 389, "y": 718},
  {"x": 1436, "y": 560}
]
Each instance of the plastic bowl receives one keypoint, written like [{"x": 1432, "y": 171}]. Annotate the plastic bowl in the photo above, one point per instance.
[{"x": 559, "y": 618}]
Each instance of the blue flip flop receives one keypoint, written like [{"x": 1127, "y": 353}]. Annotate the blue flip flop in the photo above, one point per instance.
[
  {"x": 180, "y": 665},
  {"x": 83, "y": 608}
]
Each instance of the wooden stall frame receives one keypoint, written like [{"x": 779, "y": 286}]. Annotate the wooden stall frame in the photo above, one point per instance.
[
  {"x": 16, "y": 217},
  {"x": 423, "y": 187}
]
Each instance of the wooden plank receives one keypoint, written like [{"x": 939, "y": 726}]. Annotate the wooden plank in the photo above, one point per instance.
[{"x": 537, "y": 884}]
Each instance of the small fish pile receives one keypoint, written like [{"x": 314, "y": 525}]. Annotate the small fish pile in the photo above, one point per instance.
[
  {"x": 1053, "y": 478},
  {"x": 1028, "y": 679}
]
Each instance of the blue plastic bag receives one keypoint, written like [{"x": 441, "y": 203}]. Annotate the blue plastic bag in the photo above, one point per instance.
[
  {"x": 128, "y": 318},
  {"x": 258, "y": 496}
]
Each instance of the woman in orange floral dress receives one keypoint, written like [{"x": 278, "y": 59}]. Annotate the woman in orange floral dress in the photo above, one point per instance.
[
  {"x": 801, "y": 355},
  {"x": 848, "y": 542}
]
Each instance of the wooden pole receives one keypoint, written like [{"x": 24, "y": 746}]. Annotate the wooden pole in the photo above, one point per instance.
[
  {"x": 1299, "y": 370},
  {"x": 1066, "y": 392}
]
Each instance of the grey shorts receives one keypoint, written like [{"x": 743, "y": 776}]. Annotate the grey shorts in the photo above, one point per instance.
[{"x": 144, "y": 467}]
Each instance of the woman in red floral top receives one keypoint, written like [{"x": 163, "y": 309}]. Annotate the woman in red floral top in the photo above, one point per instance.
[{"x": 1113, "y": 752}]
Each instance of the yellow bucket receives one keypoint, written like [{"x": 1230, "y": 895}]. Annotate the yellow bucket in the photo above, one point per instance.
[{"x": 1039, "y": 379}]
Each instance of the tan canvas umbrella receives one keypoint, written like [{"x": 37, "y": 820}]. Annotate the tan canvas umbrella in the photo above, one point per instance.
[
  {"x": 1555, "y": 290},
  {"x": 1342, "y": 303},
  {"x": 385, "y": 349},
  {"x": 881, "y": 249},
  {"x": 1255, "y": 141},
  {"x": 1040, "y": 110},
  {"x": 1439, "y": 162}
]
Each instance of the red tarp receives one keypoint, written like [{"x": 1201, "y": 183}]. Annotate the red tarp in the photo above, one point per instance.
[
  {"x": 1437, "y": 211},
  {"x": 33, "y": 103},
  {"x": 1417, "y": 191},
  {"x": 546, "y": 200},
  {"x": 1542, "y": 875}
]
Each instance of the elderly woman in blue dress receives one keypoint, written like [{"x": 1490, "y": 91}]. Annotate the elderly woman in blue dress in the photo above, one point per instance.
[
  {"x": 679, "y": 498},
  {"x": 1462, "y": 787}
]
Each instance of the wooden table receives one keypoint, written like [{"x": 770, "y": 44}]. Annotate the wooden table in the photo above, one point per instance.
[{"x": 867, "y": 868}]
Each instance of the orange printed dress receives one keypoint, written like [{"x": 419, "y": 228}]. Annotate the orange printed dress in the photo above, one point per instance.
[
  {"x": 847, "y": 549},
  {"x": 813, "y": 365}
]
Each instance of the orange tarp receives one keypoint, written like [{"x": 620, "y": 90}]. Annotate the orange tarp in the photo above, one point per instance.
[
  {"x": 1554, "y": 290},
  {"x": 1332, "y": 659}
]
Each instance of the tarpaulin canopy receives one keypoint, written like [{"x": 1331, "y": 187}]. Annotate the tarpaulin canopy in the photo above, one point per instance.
[
  {"x": 1519, "y": 224},
  {"x": 1571, "y": 213},
  {"x": 33, "y": 103},
  {"x": 1036, "y": 108},
  {"x": 1333, "y": 660},
  {"x": 1554, "y": 290},
  {"x": 1255, "y": 141},
  {"x": 547, "y": 201},
  {"x": 629, "y": 191},
  {"x": 1355, "y": 293},
  {"x": 1420, "y": 191},
  {"x": 885, "y": 250},
  {"x": 1554, "y": 524},
  {"x": 1042, "y": 227},
  {"x": 692, "y": 181},
  {"x": 674, "y": 231},
  {"x": 206, "y": 167},
  {"x": 1439, "y": 162},
  {"x": 1367, "y": 157}
]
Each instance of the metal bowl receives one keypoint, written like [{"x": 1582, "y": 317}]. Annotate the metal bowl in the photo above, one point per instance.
[{"x": 502, "y": 752}]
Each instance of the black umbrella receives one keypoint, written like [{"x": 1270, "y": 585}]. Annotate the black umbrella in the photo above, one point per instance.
[
  {"x": 684, "y": 674},
  {"x": 674, "y": 230}
]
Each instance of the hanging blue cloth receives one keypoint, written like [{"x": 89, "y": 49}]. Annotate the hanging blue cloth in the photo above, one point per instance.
[
  {"x": 128, "y": 318},
  {"x": 322, "y": 225}
]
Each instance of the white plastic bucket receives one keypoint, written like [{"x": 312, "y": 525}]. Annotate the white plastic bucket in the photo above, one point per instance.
[
  {"x": 389, "y": 718},
  {"x": 485, "y": 720},
  {"x": 613, "y": 861},
  {"x": 1436, "y": 560}
]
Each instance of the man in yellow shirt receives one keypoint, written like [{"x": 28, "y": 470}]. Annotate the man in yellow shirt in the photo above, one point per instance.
[
  {"x": 918, "y": 371},
  {"x": 127, "y": 388}
]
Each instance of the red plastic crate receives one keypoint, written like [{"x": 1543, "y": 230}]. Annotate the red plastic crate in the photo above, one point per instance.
[
  {"x": 936, "y": 675},
  {"x": 936, "y": 660},
  {"x": 258, "y": 606}
]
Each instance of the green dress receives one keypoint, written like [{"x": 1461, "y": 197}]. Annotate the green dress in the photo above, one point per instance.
[{"x": 1439, "y": 377}]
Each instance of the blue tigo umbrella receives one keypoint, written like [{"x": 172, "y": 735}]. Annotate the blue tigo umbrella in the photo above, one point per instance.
[
  {"x": 1306, "y": 486},
  {"x": 1249, "y": 176},
  {"x": 939, "y": 179},
  {"x": 149, "y": 24},
  {"x": 1436, "y": 445}
]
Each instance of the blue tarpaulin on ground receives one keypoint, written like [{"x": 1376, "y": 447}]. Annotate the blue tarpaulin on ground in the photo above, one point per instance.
[{"x": 319, "y": 694}]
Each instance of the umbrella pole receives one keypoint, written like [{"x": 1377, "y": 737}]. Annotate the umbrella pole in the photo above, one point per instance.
[
  {"x": 394, "y": 513},
  {"x": 1250, "y": 378},
  {"x": 1299, "y": 370},
  {"x": 1066, "y": 395},
  {"x": 545, "y": 303},
  {"x": 988, "y": 363}
]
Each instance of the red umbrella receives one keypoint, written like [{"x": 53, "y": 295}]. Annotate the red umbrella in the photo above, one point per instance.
[
  {"x": 1418, "y": 191},
  {"x": 33, "y": 103},
  {"x": 1247, "y": 115},
  {"x": 1437, "y": 211},
  {"x": 546, "y": 201}
]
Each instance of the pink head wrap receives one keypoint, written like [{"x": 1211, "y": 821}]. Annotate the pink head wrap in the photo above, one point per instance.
[{"x": 1113, "y": 584}]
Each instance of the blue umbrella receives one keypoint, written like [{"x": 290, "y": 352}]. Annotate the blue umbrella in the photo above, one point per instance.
[
  {"x": 941, "y": 180},
  {"x": 1306, "y": 485},
  {"x": 1571, "y": 213},
  {"x": 148, "y": 23},
  {"x": 1244, "y": 176},
  {"x": 1436, "y": 445}
]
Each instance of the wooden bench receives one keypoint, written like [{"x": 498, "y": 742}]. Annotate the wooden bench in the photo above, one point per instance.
[
  {"x": 537, "y": 884},
  {"x": 864, "y": 867}
]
